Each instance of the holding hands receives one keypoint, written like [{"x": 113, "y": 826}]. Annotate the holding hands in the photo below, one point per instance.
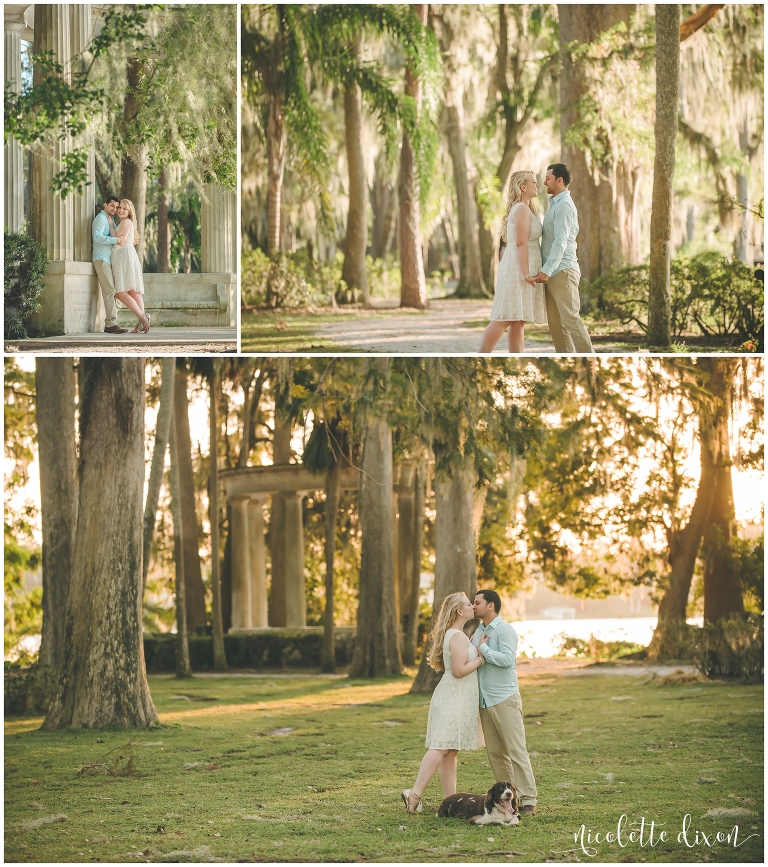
[{"x": 541, "y": 277}]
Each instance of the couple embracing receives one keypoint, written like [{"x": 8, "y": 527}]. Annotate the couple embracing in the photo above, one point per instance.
[
  {"x": 478, "y": 674},
  {"x": 117, "y": 264},
  {"x": 538, "y": 278}
]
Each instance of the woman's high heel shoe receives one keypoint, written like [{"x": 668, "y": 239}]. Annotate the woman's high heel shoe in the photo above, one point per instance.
[{"x": 406, "y": 795}]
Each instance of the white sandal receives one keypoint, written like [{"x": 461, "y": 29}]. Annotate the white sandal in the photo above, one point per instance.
[{"x": 405, "y": 795}]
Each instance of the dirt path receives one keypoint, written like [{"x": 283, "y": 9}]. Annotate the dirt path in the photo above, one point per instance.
[{"x": 442, "y": 329}]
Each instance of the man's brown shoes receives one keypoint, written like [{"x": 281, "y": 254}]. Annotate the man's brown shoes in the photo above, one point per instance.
[
  {"x": 527, "y": 810},
  {"x": 115, "y": 329}
]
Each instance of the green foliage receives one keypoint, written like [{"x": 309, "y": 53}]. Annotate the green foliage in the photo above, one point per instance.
[
  {"x": 596, "y": 649},
  {"x": 709, "y": 294},
  {"x": 25, "y": 267},
  {"x": 732, "y": 648},
  {"x": 62, "y": 108},
  {"x": 288, "y": 280},
  {"x": 750, "y": 554},
  {"x": 499, "y": 558}
]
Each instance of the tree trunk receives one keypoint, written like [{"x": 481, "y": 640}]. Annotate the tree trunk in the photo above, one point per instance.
[
  {"x": 410, "y": 568},
  {"x": 281, "y": 454},
  {"x": 665, "y": 132},
  {"x": 135, "y": 161},
  {"x": 276, "y": 147},
  {"x": 195, "y": 591},
  {"x": 376, "y": 651},
  {"x": 383, "y": 206},
  {"x": 455, "y": 551},
  {"x": 743, "y": 247},
  {"x": 219, "y": 656},
  {"x": 162, "y": 434},
  {"x": 471, "y": 284},
  {"x": 356, "y": 238},
  {"x": 332, "y": 494},
  {"x": 606, "y": 194},
  {"x": 56, "y": 442},
  {"x": 163, "y": 225},
  {"x": 683, "y": 550},
  {"x": 183, "y": 668},
  {"x": 103, "y": 679},
  {"x": 413, "y": 288},
  {"x": 722, "y": 580}
]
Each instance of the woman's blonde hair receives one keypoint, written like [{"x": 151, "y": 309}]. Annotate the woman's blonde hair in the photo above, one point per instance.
[
  {"x": 515, "y": 195},
  {"x": 451, "y": 606},
  {"x": 127, "y": 203}
]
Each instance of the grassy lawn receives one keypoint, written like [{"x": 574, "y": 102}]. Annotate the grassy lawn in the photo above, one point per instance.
[{"x": 327, "y": 787}]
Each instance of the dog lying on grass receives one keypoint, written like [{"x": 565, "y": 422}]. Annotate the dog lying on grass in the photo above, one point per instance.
[{"x": 498, "y": 806}]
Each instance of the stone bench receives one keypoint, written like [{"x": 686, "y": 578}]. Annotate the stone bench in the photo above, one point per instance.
[{"x": 71, "y": 301}]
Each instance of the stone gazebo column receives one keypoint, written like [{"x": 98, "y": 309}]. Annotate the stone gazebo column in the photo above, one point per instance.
[
  {"x": 295, "y": 598},
  {"x": 14, "y": 154},
  {"x": 258, "y": 564},
  {"x": 83, "y": 204},
  {"x": 51, "y": 218},
  {"x": 241, "y": 564},
  {"x": 218, "y": 235}
]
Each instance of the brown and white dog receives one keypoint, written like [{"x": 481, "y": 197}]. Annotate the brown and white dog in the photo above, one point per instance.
[{"x": 498, "y": 806}]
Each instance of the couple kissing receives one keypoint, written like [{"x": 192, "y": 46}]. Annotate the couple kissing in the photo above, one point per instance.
[{"x": 478, "y": 674}]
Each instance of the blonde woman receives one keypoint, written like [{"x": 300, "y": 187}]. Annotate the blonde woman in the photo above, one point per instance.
[
  {"x": 516, "y": 301},
  {"x": 453, "y": 712},
  {"x": 126, "y": 267}
]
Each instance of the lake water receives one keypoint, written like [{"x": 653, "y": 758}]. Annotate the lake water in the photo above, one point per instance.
[{"x": 543, "y": 638}]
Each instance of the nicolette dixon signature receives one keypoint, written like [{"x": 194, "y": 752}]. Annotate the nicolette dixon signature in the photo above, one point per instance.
[{"x": 649, "y": 834}]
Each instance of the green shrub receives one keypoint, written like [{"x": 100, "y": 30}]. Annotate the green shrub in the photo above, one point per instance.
[
  {"x": 709, "y": 294},
  {"x": 595, "y": 648},
  {"x": 289, "y": 280},
  {"x": 26, "y": 265},
  {"x": 731, "y": 648},
  {"x": 28, "y": 689}
]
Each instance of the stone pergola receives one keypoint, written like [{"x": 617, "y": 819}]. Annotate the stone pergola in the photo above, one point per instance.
[
  {"x": 71, "y": 302},
  {"x": 247, "y": 490}
]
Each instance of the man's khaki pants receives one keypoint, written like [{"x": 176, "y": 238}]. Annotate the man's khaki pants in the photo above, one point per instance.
[
  {"x": 107, "y": 286},
  {"x": 569, "y": 333},
  {"x": 505, "y": 743}
]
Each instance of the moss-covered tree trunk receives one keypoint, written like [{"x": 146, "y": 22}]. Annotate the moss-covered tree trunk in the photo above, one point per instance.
[
  {"x": 605, "y": 196},
  {"x": 413, "y": 288},
  {"x": 163, "y": 225},
  {"x": 277, "y": 141},
  {"x": 57, "y": 451},
  {"x": 665, "y": 134},
  {"x": 722, "y": 580},
  {"x": 193, "y": 579},
  {"x": 214, "y": 385},
  {"x": 135, "y": 159},
  {"x": 455, "y": 550},
  {"x": 157, "y": 468},
  {"x": 103, "y": 678},
  {"x": 356, "y": 239},
  {"x": 183, "y": 668},
  {"x": 376, "y": 652}
]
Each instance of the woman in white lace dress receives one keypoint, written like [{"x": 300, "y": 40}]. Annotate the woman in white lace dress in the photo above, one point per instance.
[
  {"x": 515, "y": 301},
  {"x": 454, "y": 714},
  {"x": 126, "y": 267}
]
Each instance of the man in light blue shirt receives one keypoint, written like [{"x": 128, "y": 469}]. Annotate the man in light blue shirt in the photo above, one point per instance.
[
  {"x": 103, "y": 242},
  {"x": 501, "y": 707},
  {"x": 560, "y": 272}
]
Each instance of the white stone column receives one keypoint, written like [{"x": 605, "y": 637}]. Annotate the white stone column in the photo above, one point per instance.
[
  {"x": 14, "y": 154},
  {"x": 241, "y": 564},
  {"x": 51, "y": 217},
  {"x": 218, "y": 229},
  {"x": 258, "y": 562},
  {"x": 83, "y": 204},
  {"x": 295, "y": 594}
]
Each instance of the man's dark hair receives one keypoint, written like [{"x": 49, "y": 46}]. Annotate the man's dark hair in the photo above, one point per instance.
[
  {"x": 112, "y": 199},
  {"x": 561, "y": 170},
  {"x": 491, "y": 596}
]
